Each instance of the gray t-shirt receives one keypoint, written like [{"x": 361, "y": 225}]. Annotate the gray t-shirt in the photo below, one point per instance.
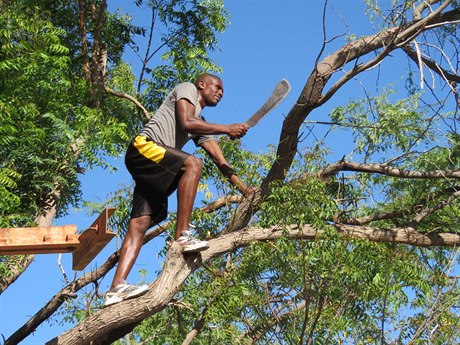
[{"x": 163, "y": 127}]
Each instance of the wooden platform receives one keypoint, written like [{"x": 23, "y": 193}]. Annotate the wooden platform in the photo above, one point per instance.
[{"x": 59, "y": 239}]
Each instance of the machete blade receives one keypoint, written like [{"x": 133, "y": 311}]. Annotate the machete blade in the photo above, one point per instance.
[{"x": 279, "y": 93}]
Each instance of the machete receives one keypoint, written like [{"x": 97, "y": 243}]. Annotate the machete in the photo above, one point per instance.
[{"x": 279, "y": 93}]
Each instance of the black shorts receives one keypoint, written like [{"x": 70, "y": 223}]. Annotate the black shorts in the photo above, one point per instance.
[{"x": 156, "y": 169}]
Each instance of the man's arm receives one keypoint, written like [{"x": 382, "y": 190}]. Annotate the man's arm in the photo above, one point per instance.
[
  {"x": 185, "y": 114},
  {"x": 213, "y": 149}
]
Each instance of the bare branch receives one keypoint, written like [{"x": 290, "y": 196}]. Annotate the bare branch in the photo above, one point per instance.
[
  {"x": 311, "y": 95},
  {"x": 435, "y": 208},
  {"x": 357, "y": 69},
  {"x": 414, "y": 29},
  {"x": 396, "y": 38},
  {"x": 147, "y": 52},
  {"x": 451, "y": 192},
  {"x": 386, "y": 170},
  {"x": 199, "y": 324},
  {"x": 132, "y": 99},
  {"x": 64, "y": 275},
  {"x": 422, "y": 6},
  {"x": 446, "y": 75}
]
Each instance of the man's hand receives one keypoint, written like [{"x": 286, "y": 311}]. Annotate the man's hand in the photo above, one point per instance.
[
  {"x": 213, "y": 149},
  {"x": 237, "y": 130}
]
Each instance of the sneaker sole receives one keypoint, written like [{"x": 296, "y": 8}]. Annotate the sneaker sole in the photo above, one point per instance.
[
  {"x": 119, "y": 299},
  {"x": 195, "y": 248}
]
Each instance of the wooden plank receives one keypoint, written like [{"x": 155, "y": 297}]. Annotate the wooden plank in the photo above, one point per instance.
[
  {"x": 38, "y": 240},
  {"x": 92, "y": 240},
  {"x": 59, "y": 239}
]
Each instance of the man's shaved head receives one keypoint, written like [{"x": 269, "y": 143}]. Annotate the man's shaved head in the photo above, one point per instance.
[
  {"x": 210, "y": 89},
  {"x": 206, "y": 77}
]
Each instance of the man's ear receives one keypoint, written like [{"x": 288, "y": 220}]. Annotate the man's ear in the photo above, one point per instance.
[{"x": 201, "y": 84}]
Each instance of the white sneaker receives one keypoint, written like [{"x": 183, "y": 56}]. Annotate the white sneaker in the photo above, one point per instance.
[
  {"x": 191, "y": 244},
  {"x": 123, "y": 291}
]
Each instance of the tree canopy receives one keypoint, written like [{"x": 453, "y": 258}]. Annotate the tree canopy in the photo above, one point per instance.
[{"x": 351, "y": 251}]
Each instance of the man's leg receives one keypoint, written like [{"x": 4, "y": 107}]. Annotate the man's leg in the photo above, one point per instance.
[
  {"x": 130, "y": 248},
  {"x": 186, "y": 192}
]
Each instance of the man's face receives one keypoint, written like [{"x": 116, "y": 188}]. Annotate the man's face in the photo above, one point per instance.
[{"x": 212, "y": 91}]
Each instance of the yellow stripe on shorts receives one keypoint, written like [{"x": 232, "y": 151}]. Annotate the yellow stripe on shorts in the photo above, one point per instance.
[{"x": 149, "y": 149}]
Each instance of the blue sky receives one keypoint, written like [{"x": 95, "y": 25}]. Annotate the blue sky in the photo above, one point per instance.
[{"x": 268, "y": 40}]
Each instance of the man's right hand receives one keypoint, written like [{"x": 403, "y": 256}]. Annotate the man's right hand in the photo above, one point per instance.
[{"x": 237, "y": 130}]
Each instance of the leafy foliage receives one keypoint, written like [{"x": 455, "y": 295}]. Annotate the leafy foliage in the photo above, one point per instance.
[
  {"x": 325, "y": 291},
  {"x": 33, "y": 66},
  {"x": 191, "y": 29}
]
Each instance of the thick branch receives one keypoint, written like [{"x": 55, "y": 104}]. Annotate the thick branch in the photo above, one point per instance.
[
  {"x": 311, "y": 95},
  {"x": 243, "y": 213},
  {"x": 357, "y": 69},
  {"x": 99, "y": 328},
  {"x": 97, "y": 43},
  {"x": 71, "y": 289},
  {"x": 386, "y": 170},
  {"x": 403, "y": 235}
]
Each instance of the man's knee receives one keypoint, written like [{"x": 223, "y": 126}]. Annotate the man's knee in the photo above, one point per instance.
[
  {"x": 139, "y": 225},
  {"x": 194, "y": 164}
]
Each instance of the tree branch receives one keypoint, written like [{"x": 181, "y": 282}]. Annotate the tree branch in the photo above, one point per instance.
[
  {"x": 357, "y": 69},
  {"x": 132, "y": 99},
  {"x": 446, "y": 75},
  {"x": 102, "y": 327},
  {"x": 16, "y": 266},
  {"x": 423, "y": 6},
  {"x": 71, "y": 289},
  {"x": 399, "y": 213},
  {"x": 256, "y": 332},
  {"x": 311, "y": 95},
  {"x": 199, "y": 324},
  {"x": 401, "y": 235},
  {"x": 84, "y": 42},
  {"x": 370, "y": 218},
  {"x": 428, "y": 211},
  {"x": 147, "y": 52},
  {"x": 386, "y": 170}
]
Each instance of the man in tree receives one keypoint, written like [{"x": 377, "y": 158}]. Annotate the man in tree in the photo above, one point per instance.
[{"x": 159, "y": 167}]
